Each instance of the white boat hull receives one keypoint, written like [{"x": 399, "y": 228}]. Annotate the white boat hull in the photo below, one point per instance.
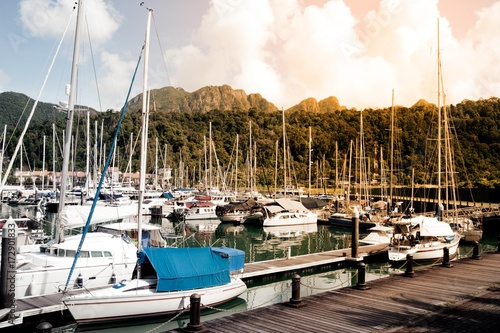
[
  {"x": 234, "y": 216},
  {"x": 283, "y": 219},
  {"x": 425, "y": 251},
  {"x": 112, "y": 304},
  {"x": 45, "y": 272}
]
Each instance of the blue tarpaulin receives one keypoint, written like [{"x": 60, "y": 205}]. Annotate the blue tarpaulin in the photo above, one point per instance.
[
  {"x": 236, "y": 257},
  {"x": 188, "y": 268},
  {"x": 168, "y": 195}
]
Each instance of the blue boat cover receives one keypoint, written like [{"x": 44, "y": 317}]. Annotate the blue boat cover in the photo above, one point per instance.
[
  {"x": 236, "y": 257},
  {"x": 168, "y": 195},
  {"x": 188, "y": 268}
]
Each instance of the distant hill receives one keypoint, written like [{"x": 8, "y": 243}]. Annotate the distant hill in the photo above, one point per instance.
[
  {"x": 15, "y": 107},
  {"x": 421, "y": 103},
  {"x": 206, "y": 99},
  {"x": 329, "y": 104}
]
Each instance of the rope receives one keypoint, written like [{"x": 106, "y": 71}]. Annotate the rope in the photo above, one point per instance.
[
  {"x": 93, "y": 65},
  {"x": 317, "y": 288},
  {"x": 223, "y": 310},
  {"x": 468, "y": 253},
  {"x": 102, "y": 270},
  {"x": 403, "y": 265},
  {"x": 169, "y": 321},
  {"x": 161, "y": 50},
  {"x": 266, "y": 302}
]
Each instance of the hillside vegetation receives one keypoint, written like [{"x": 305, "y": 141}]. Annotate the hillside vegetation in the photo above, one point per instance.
[{"x": 180, "y": 122}]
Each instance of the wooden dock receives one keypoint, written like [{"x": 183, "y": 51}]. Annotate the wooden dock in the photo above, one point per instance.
[
  {"x": 308, "y": 262},
  {"x": 270, "y": 269},
  {"x": 465, "y": 208},
  {"x": 461, "y": 298}
]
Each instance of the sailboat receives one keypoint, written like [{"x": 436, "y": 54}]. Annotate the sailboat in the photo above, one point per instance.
[
  {"x": 425, "y": 237},
  {"x": 44, "y": 269},
  {"x": 286, "y": 212},
  {"x": 368, "y": 217},
  {"x": 164, "y": 278}
]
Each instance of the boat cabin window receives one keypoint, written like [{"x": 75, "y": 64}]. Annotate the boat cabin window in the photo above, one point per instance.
[
  {"x": 61, "y": 253},
  {"x": 107, "y": 254},
  {"x": 84, "y": 254},
  {"x": 96, "y": 254},
  {"x": 70, "y": 253}
]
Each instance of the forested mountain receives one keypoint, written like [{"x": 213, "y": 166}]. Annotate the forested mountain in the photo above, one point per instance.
[{"x": 180, "y": 122}]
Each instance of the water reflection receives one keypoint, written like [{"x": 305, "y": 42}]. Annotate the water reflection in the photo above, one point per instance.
[{"x": 258, "y": 243}]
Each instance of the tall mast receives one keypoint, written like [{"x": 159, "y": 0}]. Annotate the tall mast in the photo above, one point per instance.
[
  {"x": 349, "y": 178},
  {"x": 309, "y": 194},
  {"x": 439, "y": 118},
  {"x": 21, "y": 161},
  {"x": 210, "y": 158},
  {"x": 87, "y": 162},
  {"x": 276, "y": 169},
  {"x": 206, "y": 166},
  {"x": 54, "y": 157},
  {"x": 94, "y": 169},
  {"x": 363, "y": 173},
  {"x": 144, "y": 137},
  {"x": 130, "y": 159},
  {"x": 284, "y": 153},
  {"x": 156, "y": 163},
  {"x": 336, "y": 166},
  {"x": 250, "y": 145},
  {"x": 236, "y": 168},
  {"x": 43, "y": 163},
  {"x": 71, "y": 109},
  {"x": 3, "y": 150},
  {"x": 392, "y": 151}
]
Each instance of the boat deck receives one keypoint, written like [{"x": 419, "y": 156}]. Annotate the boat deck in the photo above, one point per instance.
[{"x": 461, "y": 298}]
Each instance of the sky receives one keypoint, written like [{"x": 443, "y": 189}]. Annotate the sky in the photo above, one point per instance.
[{"x": 286, "y": 50}]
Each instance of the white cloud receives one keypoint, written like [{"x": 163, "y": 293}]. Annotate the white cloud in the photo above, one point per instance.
[
  {"x": 481, "y": 60},
  {"x": 288, "y": 51},
  {"x": 115, "y": 79},
  {"x": 230, "y": 48},
  {"x": 47, "y": 18}
]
